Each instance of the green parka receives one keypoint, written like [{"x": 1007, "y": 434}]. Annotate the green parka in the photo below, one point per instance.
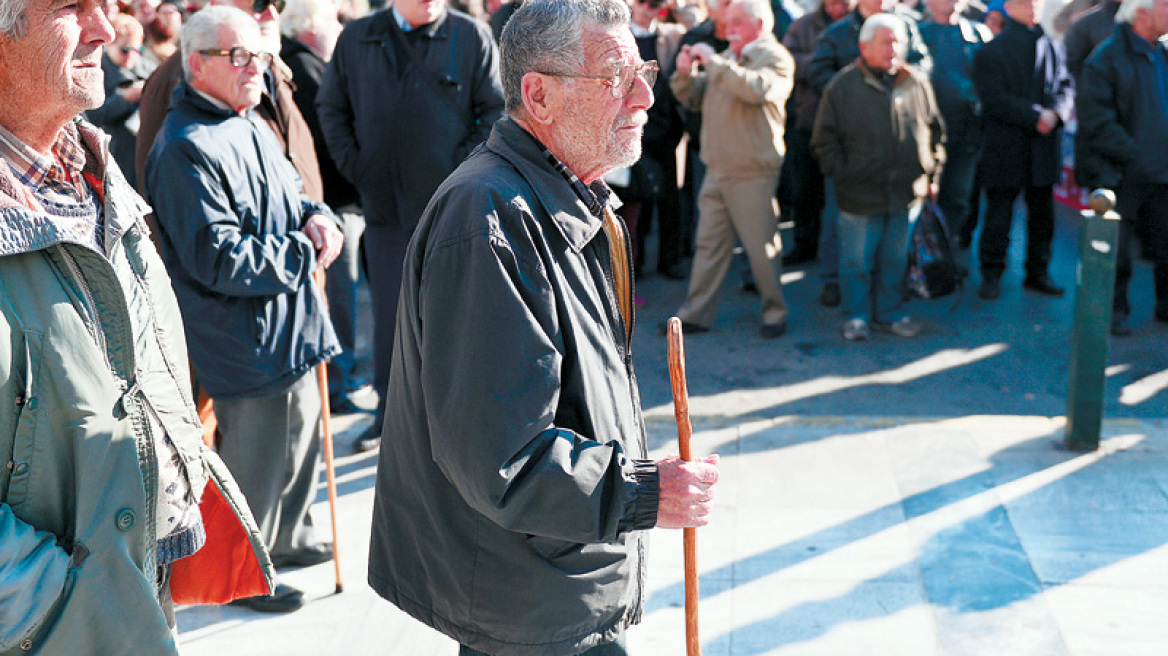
[{"x": 86, "y": 343}]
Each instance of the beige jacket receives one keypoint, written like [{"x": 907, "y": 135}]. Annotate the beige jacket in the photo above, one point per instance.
[{"x": 743, "y": 105}]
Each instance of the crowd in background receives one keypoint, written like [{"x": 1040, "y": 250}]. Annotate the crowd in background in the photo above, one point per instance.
[{"x": 843, "y": 118}]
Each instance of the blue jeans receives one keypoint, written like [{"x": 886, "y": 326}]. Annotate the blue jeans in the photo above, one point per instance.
[
  {"x": 873, "y": 254},
  {"x": 608, "y": 649}
]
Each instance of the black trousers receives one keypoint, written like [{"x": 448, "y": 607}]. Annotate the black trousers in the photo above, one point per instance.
[
  {"x": 995, "y": 234},
  {"x": 385, "y": 253},
  {"x": 809, "y": 193},
  {"x": 1148, "y": 202}
]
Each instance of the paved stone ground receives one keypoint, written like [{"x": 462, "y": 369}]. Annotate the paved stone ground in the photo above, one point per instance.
[{"x": 898, "y": 497}]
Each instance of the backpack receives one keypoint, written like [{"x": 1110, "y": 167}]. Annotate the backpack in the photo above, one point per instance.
[{"x": 932, "y": 271}]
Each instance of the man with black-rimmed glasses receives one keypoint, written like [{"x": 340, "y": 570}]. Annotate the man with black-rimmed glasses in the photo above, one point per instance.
[{"x": 241, "y": 241}]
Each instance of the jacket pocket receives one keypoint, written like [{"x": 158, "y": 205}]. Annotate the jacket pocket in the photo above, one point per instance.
[
  {"x": 14, "y": 478},
  {"x": 551, "y": 548},
  {"x": 40, "y": 634}
]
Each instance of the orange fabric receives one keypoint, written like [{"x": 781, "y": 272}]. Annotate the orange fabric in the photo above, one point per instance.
[{"x": 226, "y": 568}]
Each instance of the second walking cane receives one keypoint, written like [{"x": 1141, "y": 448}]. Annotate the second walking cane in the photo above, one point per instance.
[
  {"x": 327, "y": 446},
  {"x": 693, "y": 646}
]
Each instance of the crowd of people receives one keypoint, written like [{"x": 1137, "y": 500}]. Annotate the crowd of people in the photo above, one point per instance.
[{"x": 465, "y": 155}]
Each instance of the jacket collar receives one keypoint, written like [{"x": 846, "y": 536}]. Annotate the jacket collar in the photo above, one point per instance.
[
  {"x": 1134, "y": 43},
  {"x": 874, "y": 77},
  {"x": 23, "y": 230},
  {"x": 569, "y": 214},
  {"x": 383, "y": 22}
]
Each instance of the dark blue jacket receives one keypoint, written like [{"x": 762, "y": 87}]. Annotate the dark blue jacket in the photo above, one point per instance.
[
  {"x": 952, "y": 48},
  {"x": 397, "y": 125},
  {"x": 1013, "y": 93},
  {"x": 1123, "y": 120},
  {"x": 229, "y": 208}
]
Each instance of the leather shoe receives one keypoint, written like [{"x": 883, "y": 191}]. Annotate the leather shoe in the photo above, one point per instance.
[
  {"x": 1120, "y": 328},
  {"x": 370, "y": 440},
  {"x": 830, "y": 296},
  {"x": 991, "y": 289},
  {"x": 686, "y": 328},
  {"x": 795, "y": 258},
  {"x": 772, "y": 330},
  {"x": 284, "y": 600},
  {"x": 321, "y": 552},
  {"x": 1042, "y": 285},
  {"x": 341, "y": 404},
  {"x": 672, "y": 272}
]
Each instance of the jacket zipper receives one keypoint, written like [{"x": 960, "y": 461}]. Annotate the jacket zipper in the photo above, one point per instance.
[{"x": 90, "y": 318}]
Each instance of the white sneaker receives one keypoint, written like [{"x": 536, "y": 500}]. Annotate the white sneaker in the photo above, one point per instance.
[
  {"x": 903, "y": 327},
  {"x": 856, "y": 330}
]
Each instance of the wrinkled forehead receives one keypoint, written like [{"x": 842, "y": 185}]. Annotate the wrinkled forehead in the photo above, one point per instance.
[
  {"x": 245, "y": 35},
  {"x": 607, "y": 46}
]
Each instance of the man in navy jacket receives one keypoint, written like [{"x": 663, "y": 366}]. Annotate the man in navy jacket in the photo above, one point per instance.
[{"x": 409, "y": 92}]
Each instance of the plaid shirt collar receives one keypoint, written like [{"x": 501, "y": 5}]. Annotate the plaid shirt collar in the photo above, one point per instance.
[
  {"x": 60, "y": 173},
  {"x": 595, "y": 196}
]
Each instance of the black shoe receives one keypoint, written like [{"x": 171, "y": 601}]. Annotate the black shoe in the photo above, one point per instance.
[
  {"x": 1042, "y": 285},
  {"x": 370, "y": 440},
  {"x": 285, "y": 600},
  {"x": 686, "y": 328},
  {"x": 321, "y": 552},
  {"x": 830, "y": 296},
  {"x": 1119, "y": 327},
  {"x": 341, "y": 404},
  {"x": 772, "y": 330},
  {"x": 797, "y": 257},
  {"x": 749, "y": 287},
  {"x": 672, "y": 272},
  {"x": 991, "y": 289}
]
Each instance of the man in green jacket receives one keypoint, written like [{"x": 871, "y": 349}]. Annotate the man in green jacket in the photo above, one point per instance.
[
  {"x": 112, "y": 510},
  {"x": 878, "y": 133}
]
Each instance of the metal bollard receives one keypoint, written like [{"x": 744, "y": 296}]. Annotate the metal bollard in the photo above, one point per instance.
[{"x": 1091, "y": 333}]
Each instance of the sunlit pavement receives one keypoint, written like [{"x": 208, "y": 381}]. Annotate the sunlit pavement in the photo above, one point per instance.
[{"x": 896, "y": 497}]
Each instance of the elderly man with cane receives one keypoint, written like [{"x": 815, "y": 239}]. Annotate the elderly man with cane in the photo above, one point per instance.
[
  {"x": 111, "y": 508},
  {"x": 514, "y": 490}
]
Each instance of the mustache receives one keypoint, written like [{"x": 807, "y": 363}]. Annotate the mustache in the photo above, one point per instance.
[{"x": 637, "y": 120}]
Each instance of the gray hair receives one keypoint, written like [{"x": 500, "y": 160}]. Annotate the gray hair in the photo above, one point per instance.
[
  {"x": 13, "y": 21},
  {"x": 302, "y": 16},
  {"x": 882, "y": 21},
  {"x": 201, "y": 32},
  {"x": 756, "y": 9},
  {"x": 1127, "y": 11},
  {"x": 545, "y": 35}
]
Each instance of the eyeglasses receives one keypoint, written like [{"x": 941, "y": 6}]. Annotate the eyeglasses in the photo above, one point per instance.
[
  {"x": 260, "y": 6},
  {"x": 623, "y": 78},
  {"x": 241, "y": 56}
]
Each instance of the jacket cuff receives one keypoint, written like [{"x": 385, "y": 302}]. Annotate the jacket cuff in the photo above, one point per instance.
[{"x": 643, "y": 514}]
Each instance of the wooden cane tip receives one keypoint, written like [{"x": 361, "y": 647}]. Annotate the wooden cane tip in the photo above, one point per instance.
[{"x": 340, "y": 588}]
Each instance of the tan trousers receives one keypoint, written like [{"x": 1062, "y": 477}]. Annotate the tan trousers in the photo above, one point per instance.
[{"x": 733, "y": 206}]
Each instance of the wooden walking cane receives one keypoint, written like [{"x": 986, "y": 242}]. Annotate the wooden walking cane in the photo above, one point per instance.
[
  {"x": 327, "y": 439},
  {"x": 693, "y": 646}
]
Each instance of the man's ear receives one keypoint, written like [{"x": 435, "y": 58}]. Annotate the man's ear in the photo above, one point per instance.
[
  {"x": 195, "y": 62},
  {"x": 541, "y": 97}
]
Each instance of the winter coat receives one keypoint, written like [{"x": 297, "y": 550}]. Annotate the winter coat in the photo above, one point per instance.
[
  {"x": 1123, "y": 125},
  {"x": 952, "y": 47},
  {"x": 880, "y": 145},
  {"x": 397, "y": 124},
  {"x": 87, "y": 342},
  {"x": 229, "y": 209},
  {"x": 1013, "y": 153},
  {"x": 743, "y": 106},
  {"x": 512, "y": 488}
]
